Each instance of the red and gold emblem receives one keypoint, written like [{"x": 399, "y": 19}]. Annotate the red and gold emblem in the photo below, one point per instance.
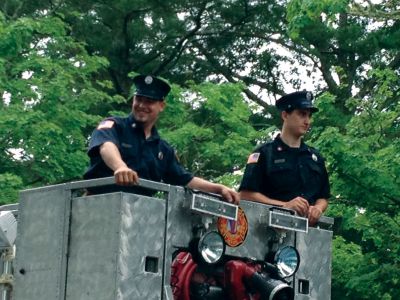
[{"x": 233, "y": 232}]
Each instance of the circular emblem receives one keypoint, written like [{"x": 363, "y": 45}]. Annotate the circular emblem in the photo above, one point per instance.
[
  {"x": 148, "y": 79},
  {"x": 233, "y": 232},
  {"x": 309, "y": 96},
  {"x": 279, "y": 148},
  {"x": 314, "y": 157}
]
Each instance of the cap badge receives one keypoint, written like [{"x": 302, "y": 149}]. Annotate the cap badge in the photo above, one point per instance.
[
  {"x": 308, "y": 96},
  {"x": 314, "y": 157},
  {"x": 148, "y": 79}
]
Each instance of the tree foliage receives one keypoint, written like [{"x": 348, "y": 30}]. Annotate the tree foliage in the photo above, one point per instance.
[
  {"x": 65, "y": 64},
  {"x": 48, "y": 92}
]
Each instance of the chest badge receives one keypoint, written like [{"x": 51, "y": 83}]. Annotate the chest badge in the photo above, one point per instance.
[
  {"x": 160, "y": 155},
  {"x": 314, "y": 157}
]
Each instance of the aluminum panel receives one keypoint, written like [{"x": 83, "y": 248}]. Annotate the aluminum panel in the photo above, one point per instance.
[
  {"x": 181, "y": 220},
  {"x": 315, "y": 264},
  {"x": 256, "y": 242},
  {"x": 41, "y": 244},
  {"x": 113, "y": 236},
  {"x": 141, "y": 239},
  {"x": 93, "y": 247},
  {"x": 178, "y": 229}
]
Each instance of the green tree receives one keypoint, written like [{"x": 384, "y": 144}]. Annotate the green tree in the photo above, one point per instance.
[
  {"x": 213, "y": 135},
  {"x": 48, "y": 94}
]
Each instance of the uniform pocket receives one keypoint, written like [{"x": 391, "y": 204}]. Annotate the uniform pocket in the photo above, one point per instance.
[{"x": 282, "y": 176}]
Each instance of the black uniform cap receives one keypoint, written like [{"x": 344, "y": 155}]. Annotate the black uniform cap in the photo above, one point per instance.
[
  {"x": 296, "y": 100},
  {"x": 151, "y": 87}
]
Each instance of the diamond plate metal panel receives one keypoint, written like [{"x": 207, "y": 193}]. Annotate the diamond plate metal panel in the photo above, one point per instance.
[
  {"x": 92, "y": 249},
  {"x": 256, "y": 242},
  {"x": 178, "y": 230},
  {"x": 120, "y": 245},
  {"x": 142, "y": 237},
  {"x": 41, "y": 244},
  {"x": 111, "y": 238},
  {"x": 315, "y": 264},
  {"x": 181, "y": 220}
]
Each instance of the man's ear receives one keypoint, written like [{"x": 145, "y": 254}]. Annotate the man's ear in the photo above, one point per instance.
[
  {"x": 163, "y": 104},
  {"x": 284, "y": 115}
]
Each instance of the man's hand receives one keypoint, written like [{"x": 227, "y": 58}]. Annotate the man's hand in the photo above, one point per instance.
[
  {"x": 314, "y": 213},
  {"x": 230, "y": 195},
  {"x": 299, "y": 205},
  {"x": 126, "y": 176}
]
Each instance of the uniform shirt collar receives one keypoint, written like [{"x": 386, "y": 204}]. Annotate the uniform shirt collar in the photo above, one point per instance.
[
  {"x": 281, "y": 146},
  {"x": 138, "y": 126}
]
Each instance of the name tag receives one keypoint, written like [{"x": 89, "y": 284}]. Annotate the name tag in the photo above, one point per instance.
[
  {"x": 279, "y": 161},
  {"x": 126, "y": 145}
]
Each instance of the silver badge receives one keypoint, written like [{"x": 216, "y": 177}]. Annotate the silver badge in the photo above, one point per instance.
[
  {"x": 134, "y": 125},
  {"x": 279, "y": 148},
  {"x": 314, "y": 157},
  {"x": 160, "y": 155},
  {"x": 148, "y": 79},
  {"x": 309, "y": 96}
]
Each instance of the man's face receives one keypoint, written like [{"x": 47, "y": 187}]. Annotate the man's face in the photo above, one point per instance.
[
  {"x": 146, "y": 110},
  {"x": 297, "y": 122}
]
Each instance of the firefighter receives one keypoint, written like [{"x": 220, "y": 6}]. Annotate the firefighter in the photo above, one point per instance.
[
  {"x": 130, "y": 148},
  {"x": 286, "y": 172}
]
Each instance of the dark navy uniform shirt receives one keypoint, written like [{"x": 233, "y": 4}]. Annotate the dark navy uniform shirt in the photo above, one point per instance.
[
  {"x": 152, "y": 158},
  {"x": 283, "y": 173}
]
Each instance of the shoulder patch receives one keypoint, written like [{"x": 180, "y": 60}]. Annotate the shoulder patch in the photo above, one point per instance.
[
  {"x": 253, "y": 158},
  {"x": 106, "y": 124}
]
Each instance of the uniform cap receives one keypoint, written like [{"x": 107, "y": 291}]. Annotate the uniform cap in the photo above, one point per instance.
[
  {"x": 151, "y": 87},
  {"x": 296, "y": 100}
]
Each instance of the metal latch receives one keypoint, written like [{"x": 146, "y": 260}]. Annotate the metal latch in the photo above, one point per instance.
[
  {"x": 213, "y": 205},
  {"x": 280, "y": 218}
]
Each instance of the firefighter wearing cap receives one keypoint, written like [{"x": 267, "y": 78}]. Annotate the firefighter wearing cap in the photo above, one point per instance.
[
  {"x": 130, "y": 148},
  {"x": 286, "y": 172}
]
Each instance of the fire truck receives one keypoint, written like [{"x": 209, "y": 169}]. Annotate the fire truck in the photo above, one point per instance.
[{"x": 59, "y": 244}]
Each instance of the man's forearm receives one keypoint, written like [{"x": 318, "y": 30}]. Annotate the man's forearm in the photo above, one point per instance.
[
  {"x": 111, "y": 156},
  {"x": 321, "y": 204},
  {"x": 200, "y": 184}
]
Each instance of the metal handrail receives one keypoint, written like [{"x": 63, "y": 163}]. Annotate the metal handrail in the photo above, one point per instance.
[{"x": 81, "y": 184}]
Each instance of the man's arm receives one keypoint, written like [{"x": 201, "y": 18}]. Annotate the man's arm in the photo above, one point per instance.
[
  {"x": 112, "y": 158},
  {"x": 298, "y": 204},
  {"x": 209, "y": 187},
  {"x": 316, "y": 211}
]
